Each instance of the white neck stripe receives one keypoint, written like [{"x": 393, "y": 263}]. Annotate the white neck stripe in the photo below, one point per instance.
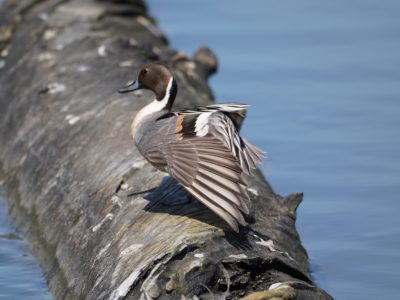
[
  {"x": 168, "y": 91},
  {"x": 155, "y": 106},
  {"x": 158, "y": 105}
]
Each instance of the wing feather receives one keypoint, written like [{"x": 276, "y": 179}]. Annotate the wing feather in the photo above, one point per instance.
[
  {"x": 223, "y": 214},
  {"x": 218, "y": 170},
  {"x": 231, "y": 186},
  {"x": 210, "y": 196},
  {"x": 208, "y": 157},
  {"x": 220, "y": 161},
  {"x": 224, "y": 192},
  {"x": 216, "y": 181}
]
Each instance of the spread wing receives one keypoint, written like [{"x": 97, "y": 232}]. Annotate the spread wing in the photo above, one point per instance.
[
  {"x": 210, "y": 173},
  {"x": 206, "y": 158}
]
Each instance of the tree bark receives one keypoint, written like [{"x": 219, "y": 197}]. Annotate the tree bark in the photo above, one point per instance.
[{"x": 69, "y": 167}]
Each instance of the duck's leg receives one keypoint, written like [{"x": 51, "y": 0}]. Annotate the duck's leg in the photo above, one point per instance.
[{"x": 142, "y": 192}]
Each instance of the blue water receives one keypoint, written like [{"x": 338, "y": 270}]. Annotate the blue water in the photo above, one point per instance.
[
  {"x": 20, "y": 276},
  {"x": 323, "y": 79}
]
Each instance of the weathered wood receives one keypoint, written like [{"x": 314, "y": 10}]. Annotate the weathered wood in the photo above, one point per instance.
[{"x": 69, "y": 165}]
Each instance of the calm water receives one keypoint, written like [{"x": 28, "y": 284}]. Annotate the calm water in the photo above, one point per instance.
[
  {"x": 324, "y": 81},
  {"x": 20, "y": 276}
]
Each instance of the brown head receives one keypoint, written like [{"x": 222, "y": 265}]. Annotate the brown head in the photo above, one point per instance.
[{"x": 157, "y": 78}]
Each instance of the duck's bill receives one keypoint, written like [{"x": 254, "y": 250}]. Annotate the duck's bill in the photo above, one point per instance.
[{"x": 133, "y": 86}]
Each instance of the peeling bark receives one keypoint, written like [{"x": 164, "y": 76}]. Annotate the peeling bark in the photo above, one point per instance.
[{"x": 72, "y": 174}]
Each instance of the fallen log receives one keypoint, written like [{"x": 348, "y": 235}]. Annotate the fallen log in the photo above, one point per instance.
[{"x": 73, "y": 176}]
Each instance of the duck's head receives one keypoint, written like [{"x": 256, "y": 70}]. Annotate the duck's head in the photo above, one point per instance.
[{"x": 155, "y": 77}]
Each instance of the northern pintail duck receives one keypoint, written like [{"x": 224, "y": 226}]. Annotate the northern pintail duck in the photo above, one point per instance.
[{"x": 199, "y": 147}]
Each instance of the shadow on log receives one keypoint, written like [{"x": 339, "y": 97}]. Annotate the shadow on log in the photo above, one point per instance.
[{"x": 69, "y": 166}]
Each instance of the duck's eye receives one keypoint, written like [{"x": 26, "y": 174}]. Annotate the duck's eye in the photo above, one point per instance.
[{"x": 145, "y": 71}]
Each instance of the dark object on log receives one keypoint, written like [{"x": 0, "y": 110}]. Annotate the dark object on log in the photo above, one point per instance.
[{"x": 69, "y": 164}]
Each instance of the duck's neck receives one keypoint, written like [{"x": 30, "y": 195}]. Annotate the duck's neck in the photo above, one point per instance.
[
  {"x": 167, "y": 100},
  {"x": 164, "y": 104}
]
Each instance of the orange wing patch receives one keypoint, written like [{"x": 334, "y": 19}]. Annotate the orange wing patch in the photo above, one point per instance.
[{"x": 179, "y": 127}]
